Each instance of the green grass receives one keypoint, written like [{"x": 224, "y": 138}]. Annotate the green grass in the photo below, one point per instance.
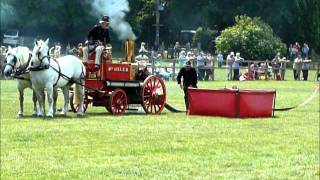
[{"x": 166, "y": 146}]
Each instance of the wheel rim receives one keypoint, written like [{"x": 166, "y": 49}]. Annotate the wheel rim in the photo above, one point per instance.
[
  {"x": 118, "y": 102},
  {"x": 153, "y": 95},
  {"x": 75, "y": 107}
]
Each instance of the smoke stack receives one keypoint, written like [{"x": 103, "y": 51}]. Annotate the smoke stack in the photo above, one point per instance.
[{"x": 129, "y": 50}]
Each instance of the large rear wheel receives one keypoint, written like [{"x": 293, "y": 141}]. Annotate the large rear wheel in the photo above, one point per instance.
[{"x": 153, "y": 95}]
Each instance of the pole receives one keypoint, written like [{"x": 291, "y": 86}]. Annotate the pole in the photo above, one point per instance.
[{"x": 157, "y": 41}]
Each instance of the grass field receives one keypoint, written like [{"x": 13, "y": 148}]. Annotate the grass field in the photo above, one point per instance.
[{"x": 167, "y": 146}]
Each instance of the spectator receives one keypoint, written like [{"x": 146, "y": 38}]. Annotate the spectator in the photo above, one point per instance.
[
  {"x": 193, "y": 59},
  {"x": 254, "y": 71},
  {"x": 305, "y": 69},
  {"x": 283, "y": 65},
  {"x": 220, "y": 59},
  {"x": 236, "y": 66},
  {"x": 244, "y": 76},
  {"x": 297, "y": 66},
  {"x": 182, "y": 59},
  {"x": 295, "y": 50},
  {"x": 263, "y": 70},
  {"x": 176, "y": 49},
  {"x": 162, "y": 73},
  {"x": 170, "y": 53},
  {"x": 229, "y": 61},
  {"x": 143, "y": 50},
  {"x": 188, "y": 57},
  {"x": 305, "y": 51},
  {"x": 200, "y": 66},
  {"x": 208, "y": 67},
  {"x": 276, "y": 67},
  {"x": 189, "y": 76}
]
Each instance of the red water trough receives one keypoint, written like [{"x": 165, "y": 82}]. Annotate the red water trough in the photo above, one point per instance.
[{"x": 232, "y": 103}]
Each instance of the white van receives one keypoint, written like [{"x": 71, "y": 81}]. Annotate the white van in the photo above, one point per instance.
[{"x": 11, "y": 37}]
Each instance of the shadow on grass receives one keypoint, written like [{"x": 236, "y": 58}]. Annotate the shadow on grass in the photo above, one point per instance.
[{"x": 127, "y": 113}]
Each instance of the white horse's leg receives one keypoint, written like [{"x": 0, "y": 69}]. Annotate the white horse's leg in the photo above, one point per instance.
[
  {"x": 49, "y": 88},
  {"x": 65, "y": 108},
  {"x": 34, "y": 99},
  {"x": 40, "y": 97},
  {"x": 55, "y": 97},
  {"x": 80, "y": 90},
  {"x": 21, "y": 98}
]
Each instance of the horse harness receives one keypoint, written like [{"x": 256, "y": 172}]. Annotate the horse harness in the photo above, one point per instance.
[
  {"x": 19, "y": 71},
  {"x": 60, "y": 74}
]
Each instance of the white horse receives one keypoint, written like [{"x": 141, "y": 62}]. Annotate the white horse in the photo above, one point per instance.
[
  {"x": 50, "y": 74},
  {"x": 17, "y": 61}
]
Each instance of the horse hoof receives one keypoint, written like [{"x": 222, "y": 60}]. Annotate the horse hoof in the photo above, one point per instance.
[
  {"x": 34, "y": 115},
  {"x": 40, "y": 115},
  {"x": 50, "y": 116},
  {"x": 20, "y": 115}
]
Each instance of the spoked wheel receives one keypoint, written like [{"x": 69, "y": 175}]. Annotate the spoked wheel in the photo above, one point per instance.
[
  {"x": 153, "y": 95},
  {"x": 75, "y": 106},
  {"x": 118, "y": 102}
]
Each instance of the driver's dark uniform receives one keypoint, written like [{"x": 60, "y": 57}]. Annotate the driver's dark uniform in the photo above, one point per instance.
[{"x": 96, "y": 34}]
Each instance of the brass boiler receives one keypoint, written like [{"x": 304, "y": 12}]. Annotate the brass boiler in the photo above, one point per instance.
[{"x": 129, "y": 51}]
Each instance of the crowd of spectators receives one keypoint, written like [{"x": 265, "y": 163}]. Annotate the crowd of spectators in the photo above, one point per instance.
[{"x": 235, "y": 65}]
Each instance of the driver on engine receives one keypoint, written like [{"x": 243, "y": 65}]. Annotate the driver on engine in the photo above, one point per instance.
[{"x": 98, "y": 37}]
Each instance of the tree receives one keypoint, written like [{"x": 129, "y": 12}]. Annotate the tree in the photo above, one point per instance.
[
  {"x": 252, "y": 37},
  {"x": 205, "y": 36}
]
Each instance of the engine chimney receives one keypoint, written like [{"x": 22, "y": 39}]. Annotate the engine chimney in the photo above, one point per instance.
[{"x": 129, "y": 50}]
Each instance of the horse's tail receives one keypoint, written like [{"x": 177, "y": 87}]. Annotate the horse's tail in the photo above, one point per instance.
[
  {"x": 76, "y": 97},
  {"x": 79, "y": 86}
]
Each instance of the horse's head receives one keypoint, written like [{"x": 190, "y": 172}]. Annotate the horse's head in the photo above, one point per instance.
[
  {"x": 40, "y": 54},
  {"x": 11, "y": 61}
]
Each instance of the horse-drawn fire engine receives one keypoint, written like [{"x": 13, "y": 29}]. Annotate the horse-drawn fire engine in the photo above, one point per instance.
[{"x": 118, "y": 85}]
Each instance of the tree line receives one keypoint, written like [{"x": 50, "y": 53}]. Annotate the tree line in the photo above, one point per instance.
[{"x": 69, "y": 21}]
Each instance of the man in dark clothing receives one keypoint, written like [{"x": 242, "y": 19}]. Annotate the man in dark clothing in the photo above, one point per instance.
[
  {"x": 98, "y": 37},
  {"x": 189, "y": 75}
]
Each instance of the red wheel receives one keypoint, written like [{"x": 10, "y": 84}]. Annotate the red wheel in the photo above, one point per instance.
[
  {"x": 118, "y": 102},
  {"x": 153, "y": 95},
  {"x": 75, "y": 107}
]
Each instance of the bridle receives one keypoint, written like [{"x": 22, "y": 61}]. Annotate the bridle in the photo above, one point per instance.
[
  {"x": 15, "y": 59},
  {"x": 41, "y": 59},
  {"x": 17, "y": 72},
  {"x": 41, "y": 66}
]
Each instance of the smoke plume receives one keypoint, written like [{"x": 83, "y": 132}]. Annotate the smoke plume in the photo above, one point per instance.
[{"x": 116, "y": 10}]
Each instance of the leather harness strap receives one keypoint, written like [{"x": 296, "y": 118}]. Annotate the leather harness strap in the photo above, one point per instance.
[{"x": 59, "y": 73}]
